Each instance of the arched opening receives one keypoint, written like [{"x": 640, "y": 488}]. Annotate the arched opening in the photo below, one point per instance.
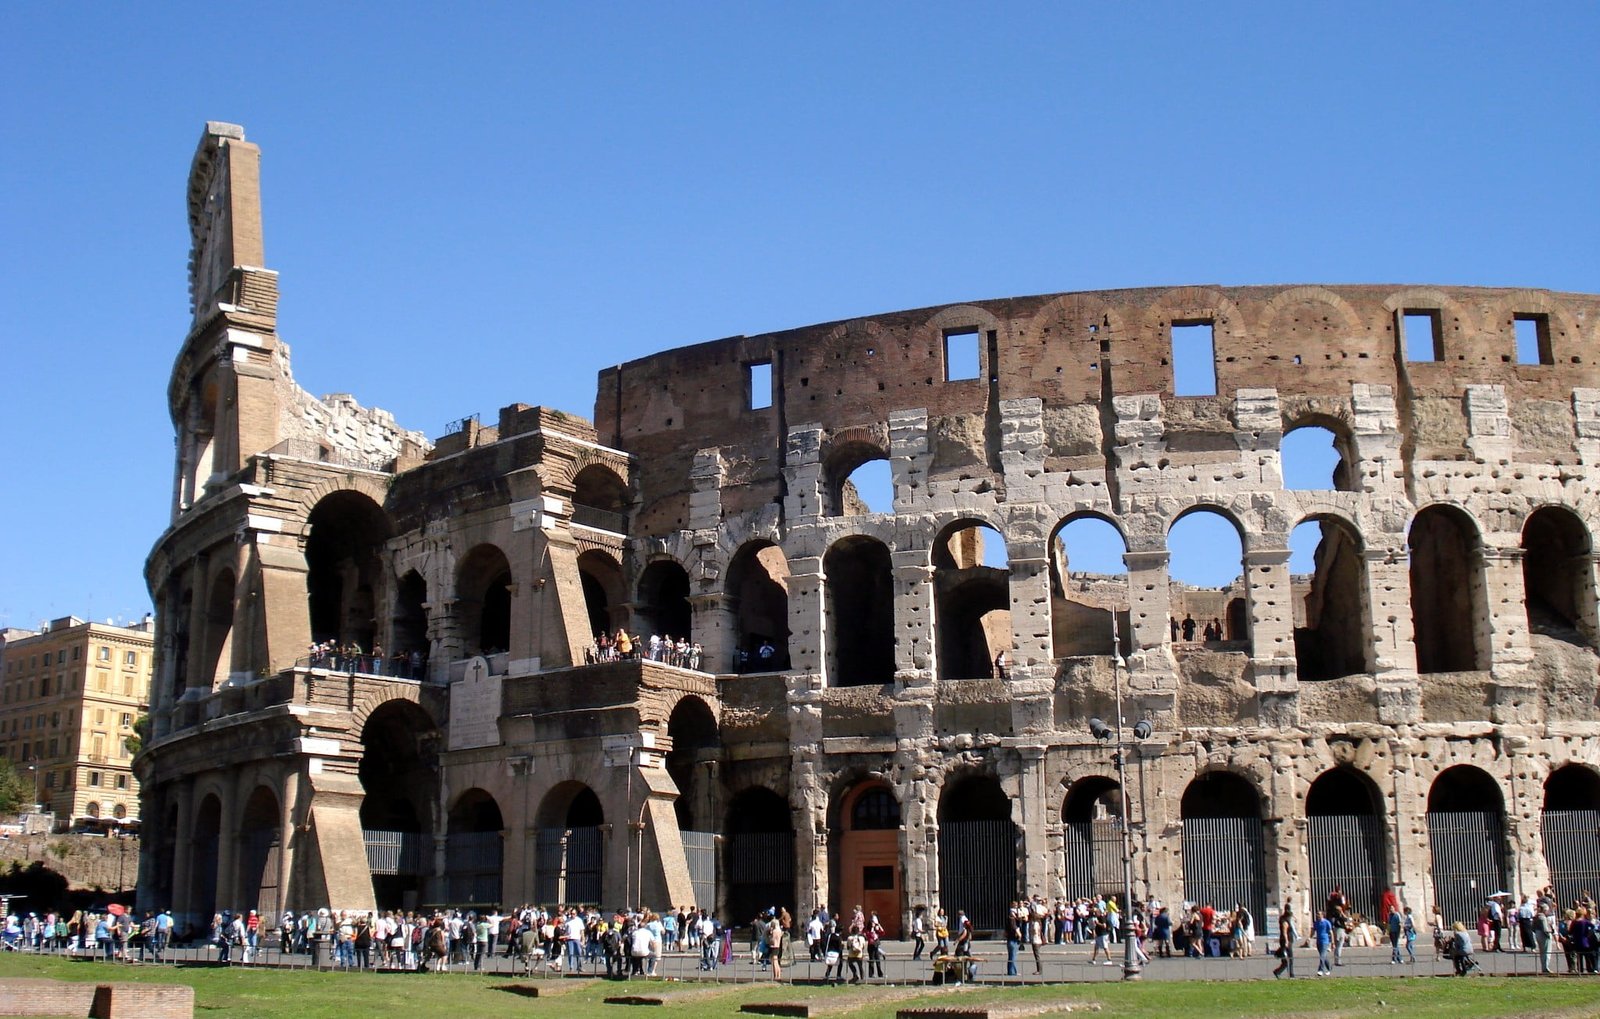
[
  {"x": 203, "y": 891},
  {"x": 1315, "y": 458},
  {"x": 398, "y": 744},
  {"x": 344, "y": 568},
  {"x": 1345, "y": 839},
  {"x": 663, "y": 604},
  {"x": 119, "y": 811},
  {"x": 977, "y": 851},
  {"x": 1331, "y": 622},
  {"x": 1088, "y": 588},
  {"x": 218, "y": 638},
  {"x": 1466, "y": 840},
  {"x": 758, "y": 597},
  {"x": 473, "y": 848},
  {"x": 758, "y": 855},
  {"x": 860, "y": 612},
  {"x": 1570, "y": 830},
  {"x": 411, "y": 623},
  {"x": 1224, "y": 846},
  {"x": 1205, "y": 567},
  {"x": 692, "y": 728},
  {"x": 600, "y": 499},
  {"x": 1238, "y": 619},
  {"x": 1448, "y": 598},
  {"x": 858, "y": 480},
  {"x": 260, "y": 852},
  {"x": 867, "y": 854},
  {"x": 972, "y": 600},
  {"x": 483, "y": 600},
  {"x": 569, "y": 858},
  {"x": 1558, "y": 576},
  {"x": 92, "y": 809},
  {"x": 603, "y": 591},
  {"x": 1091, "y": 828}
]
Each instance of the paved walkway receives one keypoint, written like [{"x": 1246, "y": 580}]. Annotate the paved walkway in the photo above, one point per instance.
[{"x": 1058, "y": 963}]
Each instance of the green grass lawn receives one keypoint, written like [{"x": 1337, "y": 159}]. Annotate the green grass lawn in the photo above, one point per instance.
[{"x": 268, "y": 994}]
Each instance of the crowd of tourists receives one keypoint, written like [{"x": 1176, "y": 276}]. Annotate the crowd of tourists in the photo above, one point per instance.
[
  {"x": 348, "y": 656},
  {"x": 112, "y": 935},
  {"x": 625, "y": 646}
]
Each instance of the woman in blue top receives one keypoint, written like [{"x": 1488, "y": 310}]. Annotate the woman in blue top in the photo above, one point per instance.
[
  {"x": 1323, "y": 931},
  {"x": 102, "y": 937}
]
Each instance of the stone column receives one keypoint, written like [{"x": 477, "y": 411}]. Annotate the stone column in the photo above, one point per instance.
[
  {"x": 198, "y": 636},
  {"x": 228, "y": 848},
  {"x": 182, "y": 853},
  {"x": 1392, "y": 647},
  {"x": 1508, "y": 608},
  {"x": 1149, "y": 600},
  {"x": 915, "y": 638},
  {"x": 1407, "y": 819},
  {"x": 1031, "y": 637},
  {"x": 715, "y": 625},
  {"x": 1033, "y": 816},
  {"x": 807, "y": 630},
  {"x": 1271, "y": 605}
]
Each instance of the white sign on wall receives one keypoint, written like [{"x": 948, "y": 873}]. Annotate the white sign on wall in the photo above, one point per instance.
[{"x": 475, "y": 708}]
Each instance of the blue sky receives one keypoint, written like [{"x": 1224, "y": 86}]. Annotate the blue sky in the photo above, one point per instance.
[{"x": 483, "y": 203}]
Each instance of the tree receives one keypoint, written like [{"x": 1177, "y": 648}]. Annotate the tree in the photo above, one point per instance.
[
  {"x": 141, "y": 731},
  {"x": 14, "y": 788}
]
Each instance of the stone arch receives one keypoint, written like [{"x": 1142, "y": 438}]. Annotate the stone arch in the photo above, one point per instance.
[
  {"x": 1558, "y": 574},
  {"x": 1224, "y": 841},
  {"x": 409, "y": 630},
  {"x": 978, "y": 847},
  {"x": 1466, "y": 840},
  {"x": 865, "y": 860},
  {"x": 662, "y": 605},
  {"x": 217, "y": 666},
  {"x": 758, "y": 854},
  {"x": 696, "y": 741},
  {"x": 1449, "y": 597},
  {"x": 605, "y": 592},
  {"x": 757, "y": 588},
  {"x": 1333, "y": 640},
  {"x": 1346, "y": 840},
  {"x": 1311, "y": 294},
  {"x": 474, "y": 849},
  {"x": 600, "y": 498},
  {"x": 570, "y": 853},
  {"x": 483, "y": 599},
  {"x": 1192, "y": 304},
  {"x": 1565, "y": 332},
  {"x": 399, "y": 746},
  {"x": 1570, "y": 829},
  {"x": 859, "y": 606},
  {"x": 1084, "y": 607},
  {"x": 346, "y": 531},
  {"x": 1453, "y": 318},
  {"x": 972, "y": 601},
  {"x": 1092, "y": 812},
  {"x": 845, "y": 454},
  {"x": 1186, "y": 539},
  {"x": 206, "y": 846},
  {"x": 261, "y": 851}
]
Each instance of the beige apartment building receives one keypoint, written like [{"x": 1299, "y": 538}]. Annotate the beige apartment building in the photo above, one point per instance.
[{"x": 69, "y": 697}]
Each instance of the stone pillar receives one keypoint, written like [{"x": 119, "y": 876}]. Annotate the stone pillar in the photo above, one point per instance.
[
  {"x": 915, "y": 638},
  {"x": 1407, "y": 821},
  {"x": 910, "y": 453},
  {"x": 285, "y": 616},
  {"x": 807, "y": 630},
  {"x": 1031, "y": 636},
  {"x": 195, "y": 674},
  {"x": 1149, "y": 600},
  {"x": 1508, "y": 608},
  {"x": 1392, "y": 647},
  {"x": 447, "y": 645},
  {"x": 808, "y": 800},
  {"x": 1271, "y": 604},
  {"x": 1033, "y": 818},
  {"x": 182, "y": 853},
  {"x": 1376, "y": 442},
  {"x": 228, "y": 848},
  {"x": 802, "y": 472},
  {"x": 716, "y": 628}
]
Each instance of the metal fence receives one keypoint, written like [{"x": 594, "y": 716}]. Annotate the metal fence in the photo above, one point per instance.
[
  {"x": 1572, "y": 849},
  {"x": 472, "y": 868},
  {"x": 570, "y": 872},
  {"x": 1093, "y": 857},
  {"x": 700, "y": 850},
  {"x": 259, "y": 850},
  {"x": 760, "y": 871},
  {"x": 1348, "y": 850},
  {"x": 978, "y": 870},
  {"x": 1468, "y": 850},
  {"x": 397, "y": 852},
  {"x": 1224, "y": 862}
]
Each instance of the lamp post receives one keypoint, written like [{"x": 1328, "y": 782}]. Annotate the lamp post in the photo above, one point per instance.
[
  {"x": 1131, "y": 970},
  {"x": 33, "y": 770}
]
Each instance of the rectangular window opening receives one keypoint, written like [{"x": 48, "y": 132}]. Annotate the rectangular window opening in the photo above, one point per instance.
[
  {"x": 1420, "y": 332},
  {"x": 1194, "y": 359},
  {"x": 877, "y": 879},
  {"x": 960, "y": 355},
  {"x": 1533, "y": 340},
  {"x": 758, "y": 383}
]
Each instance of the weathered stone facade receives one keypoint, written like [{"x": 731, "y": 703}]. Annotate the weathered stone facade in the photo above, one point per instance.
[{"x": 1432, "y": 688}]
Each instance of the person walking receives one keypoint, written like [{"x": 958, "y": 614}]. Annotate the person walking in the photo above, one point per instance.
[
  {"x": 1396, "y": 929},
  {"x": 1287, "y": 936},
  {"x": 1322, "y": 930}
]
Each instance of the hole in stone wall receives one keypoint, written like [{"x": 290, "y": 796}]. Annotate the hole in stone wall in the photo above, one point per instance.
[
  {"x": 1194, "y": 364},
  {"x": 1088, "y": 584},
  {"x": 1328, "y": 577},
  {"x": 758, "y": 385},
  {"x": 1206, "y": 567},
  {"x": 973, "y": 597},
  {"x": 1533, "y": 339},
  {"x": 1447, "y": 591},
  {"x": 1422, "y": 334},
  {"x": 860, "y": 612},
  {"x": 1314, "y": 458},
  {"x": 960, "y": 355}
]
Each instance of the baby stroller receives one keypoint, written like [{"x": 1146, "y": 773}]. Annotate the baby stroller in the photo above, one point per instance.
[{"x": 1458, "y": 949}]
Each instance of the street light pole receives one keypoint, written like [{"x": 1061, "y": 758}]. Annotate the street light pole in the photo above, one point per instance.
[{"x": 1131, "y": 970}]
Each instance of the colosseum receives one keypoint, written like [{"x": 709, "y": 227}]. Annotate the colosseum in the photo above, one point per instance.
[{"x": 1417, "y": 711}]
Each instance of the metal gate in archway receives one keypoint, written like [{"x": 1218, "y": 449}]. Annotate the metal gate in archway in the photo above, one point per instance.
[
  {"x": 700, "y": 854},
  {"x": 1348, "y": 850},
  {"x": 760, "y": 869},
  {"x": 1572, "y": 850},
  {"x": 472, "y": 868},
  {"x": 569, "y": 864},
  {"x": 978, "y": 870},
  {"x": 1093, "y": 857},
  {"x": 1468, "y": 851},
  {"x": 259, "y": 852},
  {"x": 1224, "y": 862}
]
